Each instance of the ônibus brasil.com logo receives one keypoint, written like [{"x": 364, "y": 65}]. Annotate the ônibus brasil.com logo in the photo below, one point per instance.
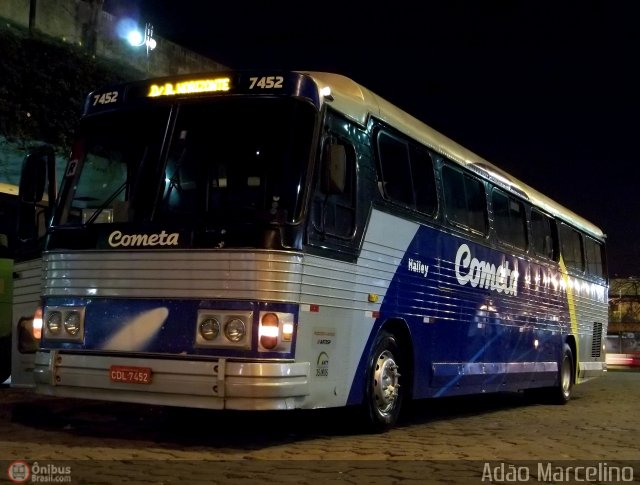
[{"x": 21, "y": 472}]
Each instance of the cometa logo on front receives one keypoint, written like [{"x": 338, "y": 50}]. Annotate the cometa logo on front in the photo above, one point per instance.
[{"x": 117, "y": 239}]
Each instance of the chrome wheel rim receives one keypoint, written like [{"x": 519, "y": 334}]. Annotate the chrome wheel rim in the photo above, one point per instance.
[
  {"x": 385, "y": 382},
  {"x": 566, "y": 377}
]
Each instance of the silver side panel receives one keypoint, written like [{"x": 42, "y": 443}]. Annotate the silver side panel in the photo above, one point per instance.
[
  {"x": 258, "y": 275},
  {"x": 589, "y": 326},
  {"x": 333, "y": 338},
  {"x": 27, "y": 285}
]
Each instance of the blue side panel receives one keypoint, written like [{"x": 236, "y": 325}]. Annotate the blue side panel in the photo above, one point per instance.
[{"x": 472, "y": 312}]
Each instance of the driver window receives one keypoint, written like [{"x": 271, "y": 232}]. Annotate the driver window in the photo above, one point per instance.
[{"x": 334, "y": 213}]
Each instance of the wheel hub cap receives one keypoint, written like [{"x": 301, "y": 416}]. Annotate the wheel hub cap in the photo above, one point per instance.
[{"x": 385, "y": 382}]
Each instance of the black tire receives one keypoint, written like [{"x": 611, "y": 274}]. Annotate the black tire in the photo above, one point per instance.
[
  {"x": 561, "y": 394},
  {"x": 383, "y": 390},
  {"x": 5, "y": 358}
]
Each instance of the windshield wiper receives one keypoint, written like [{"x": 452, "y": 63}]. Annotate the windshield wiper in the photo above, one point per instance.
[{"x": 106, "y": 203}]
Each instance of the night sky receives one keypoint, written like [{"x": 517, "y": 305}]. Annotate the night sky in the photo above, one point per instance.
[{"x": 550, "y": 94}]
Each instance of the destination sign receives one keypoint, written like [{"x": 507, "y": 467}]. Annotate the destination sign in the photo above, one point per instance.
[
  {"x": 266, "y": 83},
  {"x": 190, "y": 86}
]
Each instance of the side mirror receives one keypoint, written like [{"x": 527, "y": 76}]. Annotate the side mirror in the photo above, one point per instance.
[
  {"x": 37, "y": 164},
  {"x": 38, "y": 172},
  {"x": 334, "y": 169}
]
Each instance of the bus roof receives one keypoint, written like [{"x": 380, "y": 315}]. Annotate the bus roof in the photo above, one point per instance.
[{"x": 359, "y": 103}]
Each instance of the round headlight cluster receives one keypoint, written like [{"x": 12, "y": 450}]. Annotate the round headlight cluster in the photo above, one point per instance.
[
  {"x": 209, "y": 328},
  {"x": 63, "y": 323},
  {"x": 54, "y": 322},
  {"x": 235, "y": 330},
  {"x": 72, "y": 323}
]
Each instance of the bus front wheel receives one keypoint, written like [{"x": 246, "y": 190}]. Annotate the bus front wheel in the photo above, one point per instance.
[{"x": 383, "y": 392}]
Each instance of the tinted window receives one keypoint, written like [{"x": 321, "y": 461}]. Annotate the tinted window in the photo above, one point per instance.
[
  {"x": 542, "y": 234},
  {"x": 593, "y": 252},
  {"x": 335, "y": 213},
  {"x": 509, "y": 219},
  {"x": 407, "y": 173},
  {"x": 571, "y": 247},
  {"x": 464, "y": 198},
  {"x": 238, "y": 160},
  {"x": 424, "y": 183},
  {"x": 396, "y": 174}
]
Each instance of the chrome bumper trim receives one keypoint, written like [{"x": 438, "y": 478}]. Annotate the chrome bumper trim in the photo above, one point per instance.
[{"x": 219, "y": 384}]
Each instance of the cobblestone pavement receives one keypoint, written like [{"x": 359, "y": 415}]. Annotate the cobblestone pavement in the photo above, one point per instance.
[{"x": 440, "y": 441}]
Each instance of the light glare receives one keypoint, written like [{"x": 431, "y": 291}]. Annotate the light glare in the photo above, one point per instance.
[
  {"x": 37, "y": 324},
  {"x": 134, "y": 37}
]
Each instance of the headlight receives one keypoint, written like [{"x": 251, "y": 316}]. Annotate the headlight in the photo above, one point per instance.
[
  {"x": 223, "y": 329},
  {"x": 54, "y": 322},
  {"x": 72, "y": 323},
  {"x": 64, "y": 323},
  {"x": 235, "y": 330},
  {"x": 210, "y": 329}
]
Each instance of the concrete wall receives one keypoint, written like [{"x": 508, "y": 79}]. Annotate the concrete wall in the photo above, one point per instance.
[
  {"x": 16, "y": 11},
  {"x": 68, "y": 20}
]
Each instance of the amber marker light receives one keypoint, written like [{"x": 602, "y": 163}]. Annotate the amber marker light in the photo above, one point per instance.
[{"x": 287, "y": 332}]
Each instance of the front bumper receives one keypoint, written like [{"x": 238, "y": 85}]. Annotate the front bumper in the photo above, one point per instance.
[{"x": 211, "y": 384}]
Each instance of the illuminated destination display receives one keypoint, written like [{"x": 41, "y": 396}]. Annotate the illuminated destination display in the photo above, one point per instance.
[{"x": 190, "y": 87}]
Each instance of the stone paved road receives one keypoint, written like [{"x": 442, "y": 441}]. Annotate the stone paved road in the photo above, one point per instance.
[{"x": 443, "y": 441}]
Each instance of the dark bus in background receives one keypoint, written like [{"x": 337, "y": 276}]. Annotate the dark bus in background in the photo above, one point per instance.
[{"x": 22, "y": 230}]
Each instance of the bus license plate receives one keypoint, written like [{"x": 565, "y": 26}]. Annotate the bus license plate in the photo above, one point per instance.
[{"x": 131, "y": 375}]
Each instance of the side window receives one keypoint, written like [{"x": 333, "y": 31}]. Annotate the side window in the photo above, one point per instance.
[
  {"x": 509, "y": 219},
  {"x": 396, "y": 173},
  {"x": 464, "y": 198},
  {"x": 571, "y": 247},
  {"x": 407, "y": 173},
  {"x": 543, "y": 235},
  {"x": 335, "y": 213},
  {"x": 424, "y": 182},
  {"x": 594, "y": 254}
]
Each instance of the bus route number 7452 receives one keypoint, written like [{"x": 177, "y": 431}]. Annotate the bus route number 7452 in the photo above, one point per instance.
[{"x": 266, "y": 82}]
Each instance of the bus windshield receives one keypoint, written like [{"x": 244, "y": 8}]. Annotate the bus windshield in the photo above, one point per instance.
[{"x": 231, "y": 160}]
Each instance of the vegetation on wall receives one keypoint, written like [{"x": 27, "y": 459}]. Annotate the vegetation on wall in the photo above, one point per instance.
[{"x": 43, "y": 84}]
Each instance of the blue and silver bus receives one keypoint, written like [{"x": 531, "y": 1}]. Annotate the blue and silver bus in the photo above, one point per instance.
[{"x": 290, "y": 240}]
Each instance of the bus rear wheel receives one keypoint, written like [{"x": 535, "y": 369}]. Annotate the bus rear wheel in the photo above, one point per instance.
[
  {"x": 561, "y": 393},
  {"x": 566, "y": 376},
  {"x": 383, "y": 393}
]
